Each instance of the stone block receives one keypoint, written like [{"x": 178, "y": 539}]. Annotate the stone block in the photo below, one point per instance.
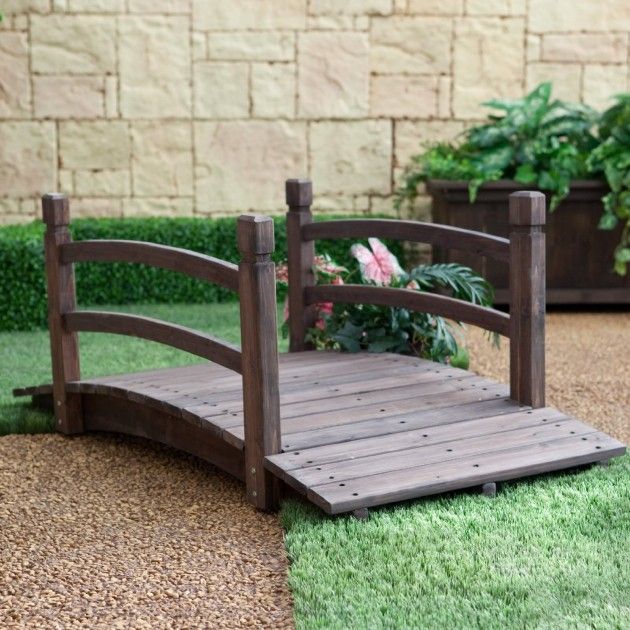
[
  {"x": 162, "y": 162},
  {"x": 566, "y": 78},
  {"x": 333, "y": 75},
  {"x": 565, "y": 15},
  {"x": 102, "y": 183},
  {"x": 68, "y": 97},
  {"x": 420, "y": 45},
  {"x": 239, "y": 15},
  {"x": 155, "y": 68},
  {"x": 488, "y": 63},
  {"x": 241, "y": 165},
  {"x": 601, "y": 83},
  {"x": 15, "y": 86},
  {"x": 351, "y": 157},
  {"x": 73, "y": 44},
  {"x": 436, "y": 7},
  {"x": 351, "y": 7},
  {"x": 221, "y": 89},
  {"x": 251, "y": 46},
  {"x": 160, "y": 6},
  {"x": 28, "y": 159},
  {"x": 494, "y": 8},
  {"x": 94, "y": 145},
  {"x": 404, "y": 96},
  {"x": 585, "y": 47},
  {"x": 97, "y": 6},
  {"x": 273, "y": 90}
]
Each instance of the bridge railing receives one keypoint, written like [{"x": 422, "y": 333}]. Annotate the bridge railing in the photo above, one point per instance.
[
  {"x": 254, "y": 281},
  {"x": 524, "y": 251}
]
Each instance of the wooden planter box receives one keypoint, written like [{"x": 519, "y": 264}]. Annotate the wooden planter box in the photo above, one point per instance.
[{"x": 579, "y": 256}]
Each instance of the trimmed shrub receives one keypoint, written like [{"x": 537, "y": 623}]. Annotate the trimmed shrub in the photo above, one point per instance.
[{"x": 23, "y": 285}]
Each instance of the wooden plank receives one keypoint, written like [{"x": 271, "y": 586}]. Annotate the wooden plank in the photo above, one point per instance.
[
  {"x": 300, "y": 262},
  {"x": 434, "y": 303},
  {"x": 104, "y": 413},
  {"x": 340, "y": 435},
  {"x": 187, "y": 339},
  {"x": 64, "y": 343},
  {"x": 176, "y": 259},
  {"x": 449, "y": 428},
  {"x": 388, "y": 393},
  {"x": 414, "y": 231},
  {"x": 527, "y": 298},
  {"x": 261, "y": 401},
  {"x": 358, "y": 388},
  {"x": 502, "y": 465},
  {"x": 455, "y": 448},
  {"x": 340, "y": 421}
]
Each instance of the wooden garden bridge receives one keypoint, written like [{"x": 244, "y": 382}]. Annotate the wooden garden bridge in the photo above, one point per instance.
[{"x": 348, "y": 431}]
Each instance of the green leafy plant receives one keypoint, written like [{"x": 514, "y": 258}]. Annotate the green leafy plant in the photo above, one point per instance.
[
  {"x": 612, "y": 158},
  {"x": 358, "y": 327},
  {"x": 538, "y": 141},
  {"x": 23, "y": 282}
]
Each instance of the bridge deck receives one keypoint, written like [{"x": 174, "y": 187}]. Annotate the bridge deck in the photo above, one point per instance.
[{"x": 357, "y": 430}]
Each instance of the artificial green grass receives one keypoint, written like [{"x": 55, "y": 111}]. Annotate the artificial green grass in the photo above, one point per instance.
[{"x": 550, "y": 553}]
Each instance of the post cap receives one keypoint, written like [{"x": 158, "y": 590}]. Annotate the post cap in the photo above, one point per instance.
[
  {"x": 299, "y": 192},
  {"x": 254, "y": 234},
  {"x": 527, "y": 207},
  {"x": 55, "y": 209}
]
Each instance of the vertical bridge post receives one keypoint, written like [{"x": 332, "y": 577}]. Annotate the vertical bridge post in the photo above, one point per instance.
[
  {"x": 301, "y": 258},
  {"x": 527, "y": 298},
  {"x": 259, "y": 343},
  {"x": 64, "y": 345}
]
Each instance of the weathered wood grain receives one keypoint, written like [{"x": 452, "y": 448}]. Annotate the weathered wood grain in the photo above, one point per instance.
[
  {"x": 261, "y": 402},
  {"x": 186, "y": 339},
  {"x": 415, "y": 231},
  {"x": 436, "y": 304},
  {"x": 176, "y": 259},
  {"x": 64, "y": 344}
]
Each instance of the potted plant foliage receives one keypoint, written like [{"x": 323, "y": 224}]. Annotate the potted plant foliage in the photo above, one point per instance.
[{"x": 579, "y": 158}]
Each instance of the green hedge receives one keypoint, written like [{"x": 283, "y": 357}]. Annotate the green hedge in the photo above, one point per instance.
[{"x": 22, "y": 282}]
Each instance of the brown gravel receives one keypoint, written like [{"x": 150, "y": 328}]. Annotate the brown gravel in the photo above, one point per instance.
[
  {"x": 105, "y": 532},
  {"x": 588, "y": 367}
]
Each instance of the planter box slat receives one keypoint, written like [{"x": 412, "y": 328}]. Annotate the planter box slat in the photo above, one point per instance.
[{"x": 579, "y": 255}]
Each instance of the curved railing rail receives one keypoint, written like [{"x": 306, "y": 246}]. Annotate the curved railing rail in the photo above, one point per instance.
[
  {"x": 444, "y": 235},
  {"x": 183, "y": 261},
  {"x": 173, "y": 335},
  {"x": 432, "y": 303},
  {"x": 524, "y": 251}
]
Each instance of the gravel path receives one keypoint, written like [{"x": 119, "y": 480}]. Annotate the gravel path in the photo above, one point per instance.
[
  {"x": 106, "y": 532},
  {"x": 588, "y": 367}
]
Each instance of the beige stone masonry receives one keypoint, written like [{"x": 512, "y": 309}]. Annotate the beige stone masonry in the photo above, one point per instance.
[
  {"x": 15, "y": 86},
  {"x": 94, "y": 145},
  {"x": 73, "y": 44},
  {"x": 243, "y": 164},
  {"x": 155, "y": 68},
  {"x": 179, "y": 107},
  {"x": 333, "y": 75},
  {"x": 63, "y": 97}
]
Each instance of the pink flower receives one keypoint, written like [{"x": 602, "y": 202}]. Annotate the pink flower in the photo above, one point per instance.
[
  {"x": 412, "y": 284},
  {"x": 282, "y": 273},
  {"x": 378, "y": 265}
]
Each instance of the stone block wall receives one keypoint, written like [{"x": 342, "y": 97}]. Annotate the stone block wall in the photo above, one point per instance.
[{"x": 180, "y": 107}]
